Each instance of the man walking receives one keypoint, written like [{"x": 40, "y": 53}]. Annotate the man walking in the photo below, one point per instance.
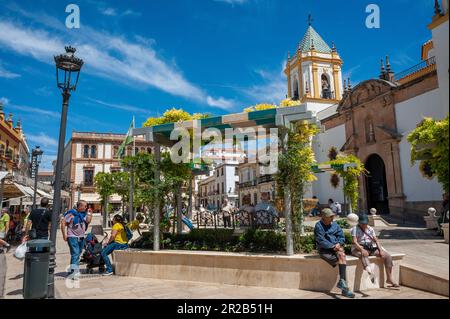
[
  {"x": 39, "y": 222},
  {"x": 76, "y": 221},
  {"x": 329, "y": 242},
  {"x": 4, "y": 228}
]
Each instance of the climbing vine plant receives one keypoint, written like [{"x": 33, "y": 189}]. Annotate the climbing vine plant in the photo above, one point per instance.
[
  {"x": 429, "y": 145},
  {"x": 350, "y": 176},
  {"x": 295, "y": 168}
]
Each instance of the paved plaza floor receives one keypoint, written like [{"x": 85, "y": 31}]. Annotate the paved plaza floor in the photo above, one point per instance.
[{"x": 423, "y": 250}]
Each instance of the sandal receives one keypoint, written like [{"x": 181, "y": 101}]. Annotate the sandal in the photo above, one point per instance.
[{"x": 393, "y": 285}]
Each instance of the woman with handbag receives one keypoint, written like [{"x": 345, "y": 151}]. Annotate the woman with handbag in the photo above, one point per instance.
[{"x": 365, "y": 244}]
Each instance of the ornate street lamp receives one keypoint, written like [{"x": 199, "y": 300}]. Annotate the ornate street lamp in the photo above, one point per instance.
[
  {"x": 36, "y": 156},
  {"x": 68, "y": 69}
]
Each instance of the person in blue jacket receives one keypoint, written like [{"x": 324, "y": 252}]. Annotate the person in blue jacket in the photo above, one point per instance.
[{"x": 330, "y": 242}]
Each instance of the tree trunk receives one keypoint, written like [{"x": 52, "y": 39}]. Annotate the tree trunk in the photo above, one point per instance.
[
  {"x": 106, "y": 215},
  {"x": 189, "y": 209},
  {"x": 179, "y": 211},
  {"x": 301, "y": 219}
]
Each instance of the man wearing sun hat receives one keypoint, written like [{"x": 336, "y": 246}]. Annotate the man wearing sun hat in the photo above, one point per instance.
[{"x": 329, "y": 242}]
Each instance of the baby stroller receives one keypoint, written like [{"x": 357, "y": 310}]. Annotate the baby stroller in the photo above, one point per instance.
[{"x": 92, "y": 254}]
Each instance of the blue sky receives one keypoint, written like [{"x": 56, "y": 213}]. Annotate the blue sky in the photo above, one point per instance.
[{"x": 216, "y": 56}]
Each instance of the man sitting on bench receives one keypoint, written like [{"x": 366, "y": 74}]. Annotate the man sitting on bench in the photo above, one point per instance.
[{"x": 329, "y": 242}]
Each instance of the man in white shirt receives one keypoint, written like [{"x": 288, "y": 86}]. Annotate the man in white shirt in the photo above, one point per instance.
[
  {"x": 335, "y": 206},
  {"x": 227, "y": 210}
]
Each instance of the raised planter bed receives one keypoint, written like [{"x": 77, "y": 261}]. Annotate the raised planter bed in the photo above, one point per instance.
[{"x": 307, "y": 272}]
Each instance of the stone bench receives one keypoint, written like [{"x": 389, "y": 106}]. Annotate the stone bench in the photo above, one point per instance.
[{"x": 307, "y": 272}]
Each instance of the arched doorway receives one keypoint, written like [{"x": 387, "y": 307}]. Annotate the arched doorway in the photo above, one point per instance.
[{"x": 376, "y": 186}]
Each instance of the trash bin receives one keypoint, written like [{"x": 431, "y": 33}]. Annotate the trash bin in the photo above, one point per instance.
[{"x": 35, "y": 275}]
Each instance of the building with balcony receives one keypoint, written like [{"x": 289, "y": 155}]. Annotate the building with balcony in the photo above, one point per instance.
[
  {"x": 220, "y": 185},
  {"x": 14, "y": 151},
  {"x": 88, "y": 153},
  {"x": 253, "y": 181}
]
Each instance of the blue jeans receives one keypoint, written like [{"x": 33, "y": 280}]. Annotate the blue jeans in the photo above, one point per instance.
[
  {"x": 76, "y": 246},
  {"x": 108, "y": 250}
]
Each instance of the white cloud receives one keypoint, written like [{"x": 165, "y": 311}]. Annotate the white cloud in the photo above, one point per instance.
[
  {"x": 44, "y": 91},
  {"x": 109, "y": 12},
  {"x": 220, "y": 103},
  {"x": 7, "y": 74},
  {"x": 272, "y": 90},
  {"x": 34, "y": 110},
  {"x": 123, "y": 107},
  {"x": 233, "y": 2},
  {"x": 108, "y": 56},
  {"x": 42, "y": 140},
  {"x": 36, "y": 43},
  {"x": 46, "y": 162},
  {"x": 350, "y": 72}
]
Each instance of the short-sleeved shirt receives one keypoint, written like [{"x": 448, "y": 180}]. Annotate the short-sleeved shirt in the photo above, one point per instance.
[
  {"x": 362, "y": 237},
  {"x": 227, "y": 210},
  {"x": 121, "y": 237},
  {"x": 75, "y": 230},
  {"x": 4, "y": 220},
  {"x": 40, "y": 219}
]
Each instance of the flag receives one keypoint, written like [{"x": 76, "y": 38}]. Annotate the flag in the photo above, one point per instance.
[{"x": 128, "y": 139}]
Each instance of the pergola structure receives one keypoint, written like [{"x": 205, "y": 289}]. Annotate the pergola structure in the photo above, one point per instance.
[{"x": 159, "y": 135}]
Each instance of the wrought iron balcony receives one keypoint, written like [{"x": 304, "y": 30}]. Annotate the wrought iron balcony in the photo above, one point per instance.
[
  {"x": 248, "y": 184},
  {"x": 265, "y": 179},
  {"x": 417, "y": 70}
]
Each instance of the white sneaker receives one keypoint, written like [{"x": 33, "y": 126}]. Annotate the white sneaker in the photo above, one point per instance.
[
  {"x": 108, "y": 273},
  {"x": 371, "y": 274}
]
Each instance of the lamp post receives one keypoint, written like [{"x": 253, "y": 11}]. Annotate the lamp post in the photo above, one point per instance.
[
  {"x": 36, "y": 156},
  {"x": 68, "y": 69}
]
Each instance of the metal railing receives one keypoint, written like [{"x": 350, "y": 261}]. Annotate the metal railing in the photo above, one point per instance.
[
  {"x": 238, "y": 219},
  {"x": 416, "y": 68},
  {"x": 265, "y": 179},
  {"x": 248, "y": 184}
]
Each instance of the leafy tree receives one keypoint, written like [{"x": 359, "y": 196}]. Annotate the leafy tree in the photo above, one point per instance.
[
  {"x": 121, "y": 185},
  {"x": 105, "y": 188},
  {"x": 429, "y": 144}
]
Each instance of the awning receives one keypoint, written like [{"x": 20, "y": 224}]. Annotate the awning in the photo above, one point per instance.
[
  {"x": 90, "y": 197},
  {"x": 12, "y": 190},
  {"x": 3, "y": 174}
]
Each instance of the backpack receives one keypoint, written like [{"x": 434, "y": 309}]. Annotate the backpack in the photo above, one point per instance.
[{"x": 128, "y": 232}]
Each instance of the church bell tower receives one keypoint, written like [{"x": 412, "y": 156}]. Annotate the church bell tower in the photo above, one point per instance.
[{"x": 314, "y": 72}]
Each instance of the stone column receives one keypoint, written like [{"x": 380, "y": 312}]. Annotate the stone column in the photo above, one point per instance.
[{"x": 315, "y": 70}]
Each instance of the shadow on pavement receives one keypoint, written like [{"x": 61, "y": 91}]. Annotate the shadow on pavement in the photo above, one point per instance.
[
  {"x": 20, "y": 276},
  {"x": 15, "y": 292},
  {"x": 405, "y": 234}
]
